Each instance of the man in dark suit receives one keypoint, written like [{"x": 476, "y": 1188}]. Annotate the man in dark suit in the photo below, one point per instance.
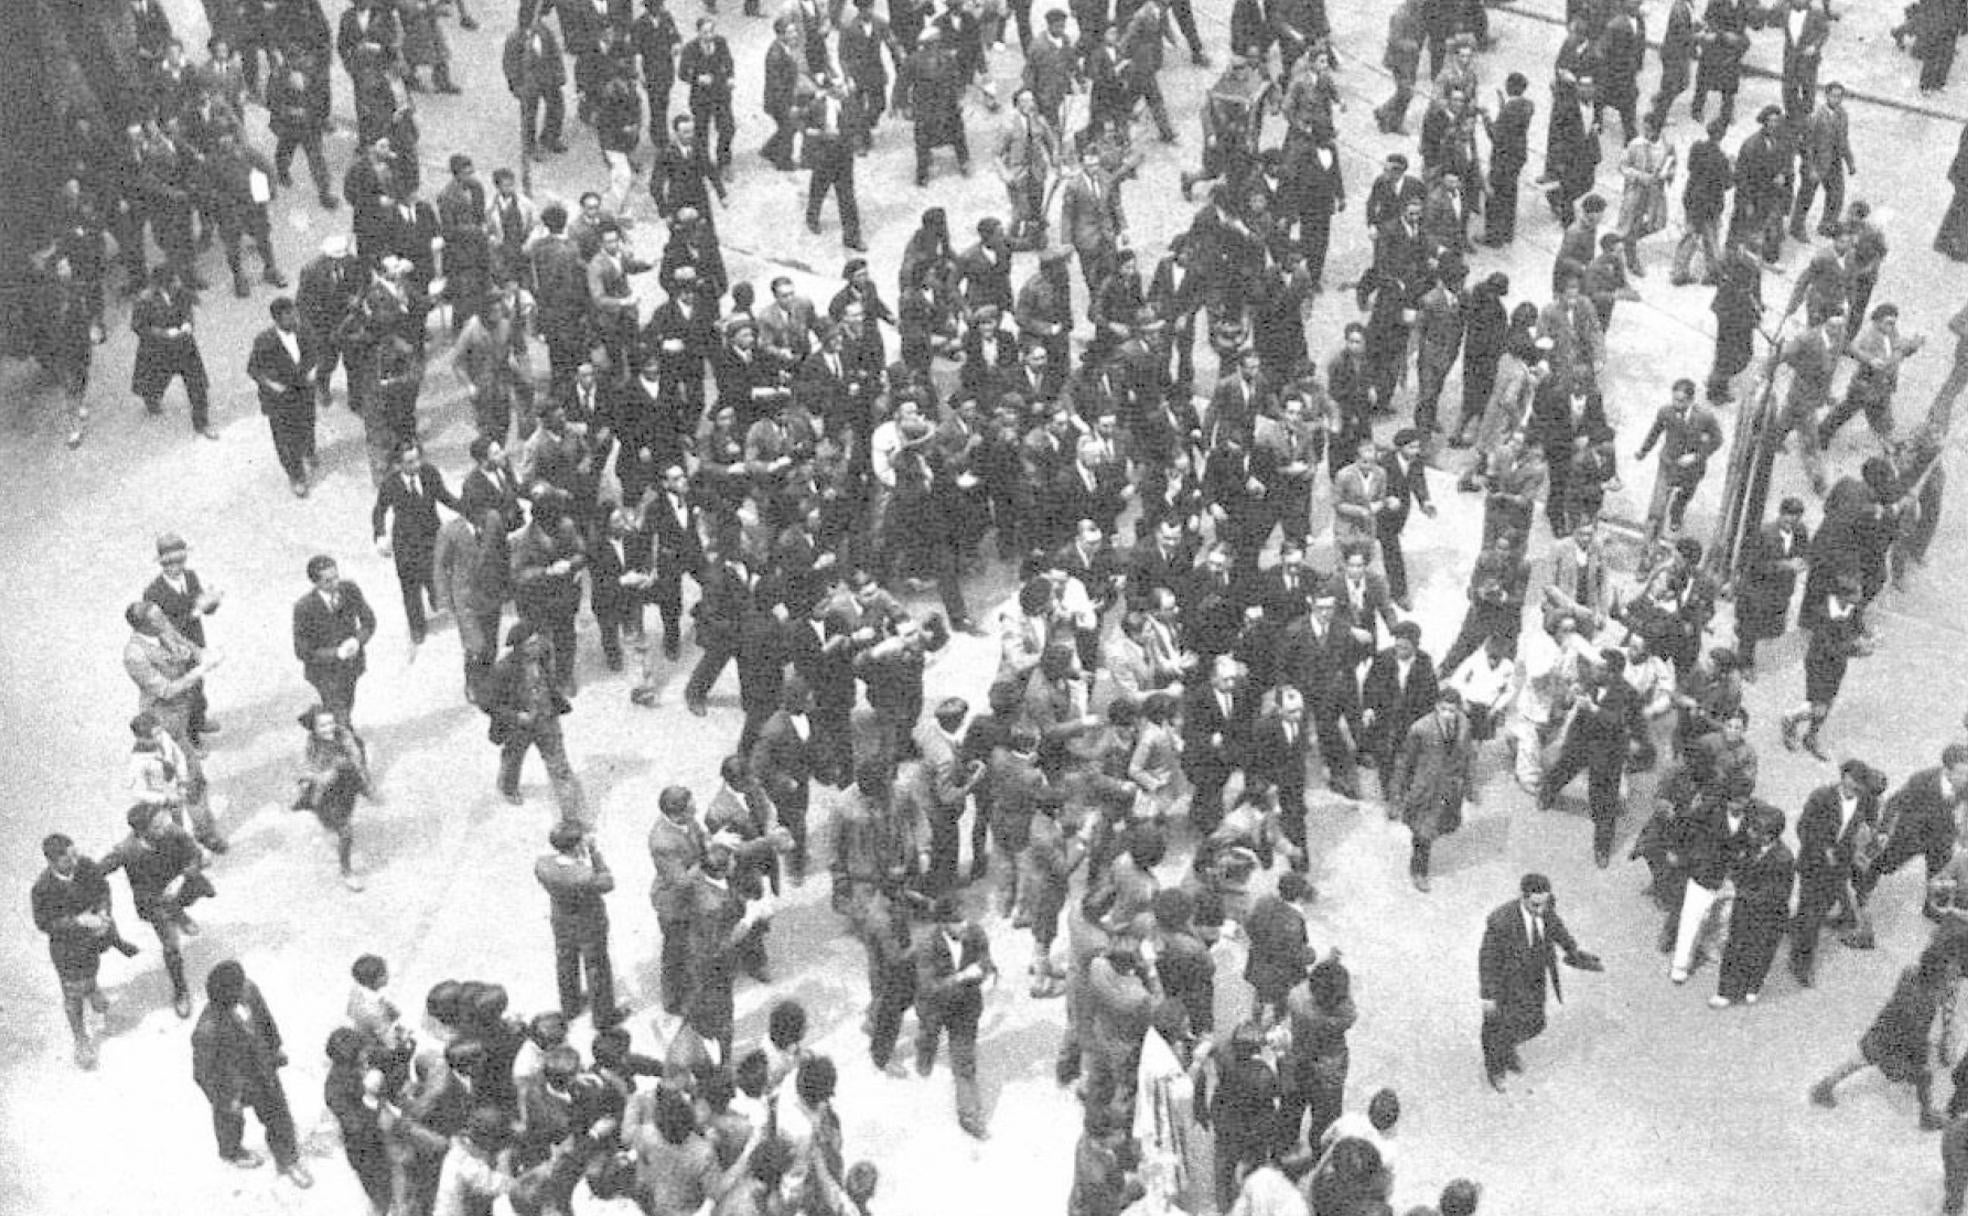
[
  {"x": 764, "y": 649},
  {"x": 1764, "y": 876},
  {"x": 560, "y": 312},
  {"x": 577, "y": 881},
  {"x": 1835, "y": 818},
  {"x": 1234, "y": 476},
  {"x": 684, "y": 175},
  {"x": 526, "y": 708},
  {"x": 1216, "y": 722},
  {"x": 490, "y": 485},
  {"x": 1279, "y": 748},
  {"x": 953, "y": 959},
  {"x": 1606, "y": 718},
  {"x": 833, "y": 125},
  {"x": 332, "y": 627},
  {"x": 1562, "y": 409},
  {"x": 782, "y": 762},
  {"x": 781, "y": 100},
  {"x": 720, "y": 616},
  {"x": 1280, "y": 953},
  {"x": 1091, "y": 489},
  {"x": 235, "y": 1059},
  {"x": 282, "y": 367},
  {"x": 705, "y": 63},
  {"x": 822, "y": 650},
  {"x": 1521, "y": 943},
  {"x": 536, "y": 74},
  {"x": 408, "y": 501},
  {"x": 1919, "y": 821},
  {"x": 1398, "y": 690},
  {"x": 676, "y": 526},
  {"x": 325, "y": 291},
  {"x": 1407, "y": 487},
  {"x": 620, "y": 577},
  {"x": 1317, "y": 655}
]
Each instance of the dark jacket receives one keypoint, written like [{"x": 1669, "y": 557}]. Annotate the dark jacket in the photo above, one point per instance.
[{"x": 234, "y": 1062}]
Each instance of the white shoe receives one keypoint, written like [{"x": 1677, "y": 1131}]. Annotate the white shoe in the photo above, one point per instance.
[
  {"x": 1679, "y": 975},
  {"x": 1749, "y": 998},
  {"x": 1718, "y": 1001}
]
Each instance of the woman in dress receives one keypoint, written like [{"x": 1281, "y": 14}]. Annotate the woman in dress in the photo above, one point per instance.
[
  {"x": 1834, "y": 641},
  {"x": 1900, "y": 1042},
  {"x": 337, "y": 770}
]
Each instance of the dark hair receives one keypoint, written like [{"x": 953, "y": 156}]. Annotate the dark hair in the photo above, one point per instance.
[
  {"x": 752, "y": 1073},
  {"x": 54, "y": 845},
  {"x": 1534, "y": 884},
  {"x": 1384, "y": 1109},
  {"x": 369, "y": 970},
  {"x": 674, "y": 1117},
  {"x": 225, "y": 983},
  {"x": 344, "y": 1046},
  {"x": 786, "y": 1024},
  {"x": 316, "y": 564},
  {"x": 816, "y": 1080}
]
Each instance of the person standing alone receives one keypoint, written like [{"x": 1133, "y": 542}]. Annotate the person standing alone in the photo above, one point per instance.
[
  {"x": 576, "y": 879},
  {"x": 236, "y": 1058},
  {"x": 1522, "y": 941}
]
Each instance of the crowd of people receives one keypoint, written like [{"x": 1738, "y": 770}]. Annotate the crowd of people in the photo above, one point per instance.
[{"x": 1212, "y": 603}]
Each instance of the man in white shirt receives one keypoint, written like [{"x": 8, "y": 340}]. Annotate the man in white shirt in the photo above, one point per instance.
[{"x": 1486, "y": 680}]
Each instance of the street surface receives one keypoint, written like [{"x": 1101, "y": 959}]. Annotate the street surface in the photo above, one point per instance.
[{"x": 1639, "y": 1099}]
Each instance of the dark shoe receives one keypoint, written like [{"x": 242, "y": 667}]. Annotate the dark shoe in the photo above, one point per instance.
[
  {"x": 1602, "y": 857},
  {"x": 1496, "y": 1081},
  {"x": 976, "y": 1129},
  {"x": 1788, "y": 730},
  {"x": 127, "y": 948},
  {"x": 467, "y": 23},
  {"x": 695, "y": 706},
  {"x": 329, "y": 202},
  {"x": 1515, "y": 1062},
  {"x": 1812, "y": 746},
  {"x": 513, "y": 797},
  {"x": 216, "y": 844},
  {"x": 239, "y": 286},
  {"x": 273, "y": 278},
  {"x": 856, "y": 244},
  {"x": 813, "y": 226},
  {"x": 670, "y": 651},
  {"x": 1931, "y": 1121}
]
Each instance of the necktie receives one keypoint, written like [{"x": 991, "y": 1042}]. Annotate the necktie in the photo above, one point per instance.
[
  {"x": 1291, "y": 735},
  {"x": 1537, "y": 935}
]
